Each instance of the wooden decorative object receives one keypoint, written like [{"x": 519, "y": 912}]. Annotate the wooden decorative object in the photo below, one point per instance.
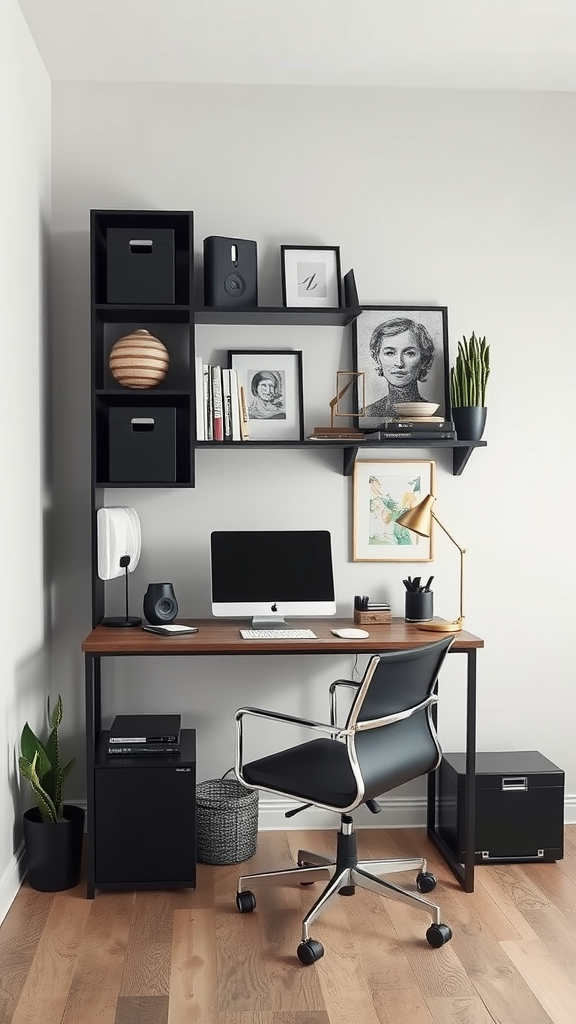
[
  {"x": 139, "y": 360},
  {"x": 347, "y": 433},
  {"x": 367, "y": 618}
]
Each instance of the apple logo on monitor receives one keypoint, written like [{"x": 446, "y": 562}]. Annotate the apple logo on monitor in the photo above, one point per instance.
[{"x": 274, "y": 607}]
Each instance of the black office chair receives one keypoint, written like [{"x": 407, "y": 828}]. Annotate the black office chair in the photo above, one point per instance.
[{"x": 389, "y": 738}]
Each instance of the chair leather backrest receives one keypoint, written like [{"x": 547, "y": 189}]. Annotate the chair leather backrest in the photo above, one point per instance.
[{"x": 396, "y": 681}]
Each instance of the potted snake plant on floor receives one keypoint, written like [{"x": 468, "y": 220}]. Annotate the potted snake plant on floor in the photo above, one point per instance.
[
  {"x": 53, "y": 830},
  {"x": 468, "y": 379}
]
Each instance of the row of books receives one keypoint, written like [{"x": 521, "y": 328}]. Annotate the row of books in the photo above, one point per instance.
[
  {"x": 144, "y": 734},
  {"x": 425, "y": 428},
  {"x": 221, "y": 410}
]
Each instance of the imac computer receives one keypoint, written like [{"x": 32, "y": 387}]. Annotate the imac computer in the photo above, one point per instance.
[{"x": 267, "y": 575}]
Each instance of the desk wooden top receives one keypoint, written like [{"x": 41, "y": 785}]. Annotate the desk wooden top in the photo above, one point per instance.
[{"x": 222, "y": 636}]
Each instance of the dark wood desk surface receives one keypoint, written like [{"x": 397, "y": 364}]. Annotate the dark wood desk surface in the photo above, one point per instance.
[{"x": 221, "y": 636}]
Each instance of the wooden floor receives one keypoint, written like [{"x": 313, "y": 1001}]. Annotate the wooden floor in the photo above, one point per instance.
[{"x": 190, "y": 958}]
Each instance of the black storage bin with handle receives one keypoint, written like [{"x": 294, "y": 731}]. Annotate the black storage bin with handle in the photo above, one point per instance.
[
  {"x": 142, "y": 444},
  {"x": 140, "y": 265},
  {"x": 226, "y": 822},
  {"x": 519, "y": 806}
]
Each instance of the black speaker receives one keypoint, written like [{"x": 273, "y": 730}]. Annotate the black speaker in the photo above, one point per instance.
[
  {"x": 160, "y": 604},
  {"x": 230, "y": 272}
]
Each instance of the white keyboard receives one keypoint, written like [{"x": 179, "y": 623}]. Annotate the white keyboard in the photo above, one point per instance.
[{"x": 277, "y": 634}]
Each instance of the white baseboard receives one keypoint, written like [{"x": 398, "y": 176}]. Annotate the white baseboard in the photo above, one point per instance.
[
  {"x": 11, "y": 881},
  {"x": 396, "y": 812},
  {"x": 570, "y": 810}
]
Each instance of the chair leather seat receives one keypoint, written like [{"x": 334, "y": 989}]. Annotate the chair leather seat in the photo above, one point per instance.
[{"x": 315, "y": 771}]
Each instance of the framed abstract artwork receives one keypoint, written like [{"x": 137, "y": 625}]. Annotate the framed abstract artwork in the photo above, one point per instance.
[
  {"x": 311, "y": 276},
  {"x": 382, "y": 491}
]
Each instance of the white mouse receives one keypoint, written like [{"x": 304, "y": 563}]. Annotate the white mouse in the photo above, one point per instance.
[{"x": 350, "y": 634}]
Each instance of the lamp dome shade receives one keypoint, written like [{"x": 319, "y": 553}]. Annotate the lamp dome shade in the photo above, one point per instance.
[{"x": 419, "y": 518}]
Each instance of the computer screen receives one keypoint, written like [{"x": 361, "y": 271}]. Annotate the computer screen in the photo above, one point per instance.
[{"x": 269, "y": 574}]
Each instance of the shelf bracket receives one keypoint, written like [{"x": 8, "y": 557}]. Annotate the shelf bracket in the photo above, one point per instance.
[
  {"x": 349, "y": 454},
  {"x": 460, "y": 457}
]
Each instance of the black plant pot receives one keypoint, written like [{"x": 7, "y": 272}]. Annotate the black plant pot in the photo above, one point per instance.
[
  {"x": 469, "y": 422},
  {"x": 54, "y": 852}
]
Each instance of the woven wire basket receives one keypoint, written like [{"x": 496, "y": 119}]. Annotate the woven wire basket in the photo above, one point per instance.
[{"x": 226, "y": 822}]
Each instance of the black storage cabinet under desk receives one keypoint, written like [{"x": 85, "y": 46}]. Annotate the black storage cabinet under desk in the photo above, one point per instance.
[
  {"x": 145, "y": 818},
  {"x": 142, "y": 444},
  {"x": 140, "y": 265},
  {"x": 519, "y": 806}
]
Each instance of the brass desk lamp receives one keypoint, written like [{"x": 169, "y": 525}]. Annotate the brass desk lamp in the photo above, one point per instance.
[{"x": 419, "y": 520}]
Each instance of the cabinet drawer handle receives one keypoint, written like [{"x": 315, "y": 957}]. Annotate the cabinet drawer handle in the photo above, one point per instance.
[
  {"x": 515, "y": 783},
  {"x": 141, "y": 246},
  {"x": 142, "y": 423}
]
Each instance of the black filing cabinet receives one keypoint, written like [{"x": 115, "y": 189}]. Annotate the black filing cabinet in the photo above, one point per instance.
[
  {"x": 145, "y": 818},
  {"x": 519, "y": 806},
  {"x": 142, "y": 444}
]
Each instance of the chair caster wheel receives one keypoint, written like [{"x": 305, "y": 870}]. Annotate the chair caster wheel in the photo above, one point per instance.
[
  {"x": 425, "y": 881},
  {"x": 438, "y": 935},
  {"x": 310, "y": 951},
  {"x": 245, "y": 901}
]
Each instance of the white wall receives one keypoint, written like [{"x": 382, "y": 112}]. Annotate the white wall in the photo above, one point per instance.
[
  {"x": 459, "y": 199},
  {"x": 24, "y": 426}
]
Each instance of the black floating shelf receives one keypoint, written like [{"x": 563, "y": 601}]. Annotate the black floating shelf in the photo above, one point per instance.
[
  {"x": 278, "y": 315},
  {"x": 142, "y": 314},
  {"x": 462, "y": 450},
  {"x": 145, "y": 484}
]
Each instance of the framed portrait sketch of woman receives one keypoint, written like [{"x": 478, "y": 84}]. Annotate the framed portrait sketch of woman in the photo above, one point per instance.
[{"x": 403, "y": 351}]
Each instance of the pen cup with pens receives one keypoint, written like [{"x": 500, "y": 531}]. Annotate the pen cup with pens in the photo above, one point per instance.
[{"x": 419, "y": 605}]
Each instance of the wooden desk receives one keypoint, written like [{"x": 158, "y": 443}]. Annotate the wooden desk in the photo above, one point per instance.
[{"x": 221, "y": 637}]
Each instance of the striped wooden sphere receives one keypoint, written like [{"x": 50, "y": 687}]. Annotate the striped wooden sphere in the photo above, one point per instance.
[{"x": 139, "y": 360}]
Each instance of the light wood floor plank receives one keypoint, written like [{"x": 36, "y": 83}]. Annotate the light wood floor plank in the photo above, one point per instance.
[
  {"x": 43, "y": 997},
  {"x": 19, "y": 936},
  {"x": 193, "y": 980},
  {"x": 549, "y": 983},
  {"x": 147, "y": 964},
  {"x": 98, "y": 974}
]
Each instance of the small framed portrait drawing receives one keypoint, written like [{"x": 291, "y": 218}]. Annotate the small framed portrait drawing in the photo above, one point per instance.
[
  {"x": 403, "y": 351},
  {"x": 272, "y": 383},
  {"x": 311, "y": 276}
]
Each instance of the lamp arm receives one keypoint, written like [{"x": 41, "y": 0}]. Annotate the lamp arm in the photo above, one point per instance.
[{"x": 462, "y": 553}]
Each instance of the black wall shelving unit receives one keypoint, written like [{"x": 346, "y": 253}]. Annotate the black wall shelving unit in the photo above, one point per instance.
[{"x": 174, "y": 324}]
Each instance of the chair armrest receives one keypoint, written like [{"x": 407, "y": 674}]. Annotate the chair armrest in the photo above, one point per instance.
[
  {"x": 351, "y": 684},
  {"x": 273, "y": 716},
  {"x": 277, "y": 716}
]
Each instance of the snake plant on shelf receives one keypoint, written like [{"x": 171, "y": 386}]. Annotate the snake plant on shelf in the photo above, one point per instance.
[
  {"x": 40, "y": 764},
  {"x": 469, "y": 375}
]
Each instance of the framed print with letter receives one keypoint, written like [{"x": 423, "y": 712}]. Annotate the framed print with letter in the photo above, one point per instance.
[
  {"x": 311, "y": 276},
  {"x": 404, "y": 353},
  {"x": 382, "y": 491},
  {"x": 272, "y": 384}
]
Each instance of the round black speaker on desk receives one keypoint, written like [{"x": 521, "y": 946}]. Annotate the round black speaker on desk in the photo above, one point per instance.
[{"x": 160, "y": 604}]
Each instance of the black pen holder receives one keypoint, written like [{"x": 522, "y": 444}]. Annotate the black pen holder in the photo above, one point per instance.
[{"x": 419, "y": 606}]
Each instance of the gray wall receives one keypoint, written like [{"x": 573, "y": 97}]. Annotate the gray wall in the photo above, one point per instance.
[
  {"x": 460, "y": 199},
  {"x": 24, "y": 425}
]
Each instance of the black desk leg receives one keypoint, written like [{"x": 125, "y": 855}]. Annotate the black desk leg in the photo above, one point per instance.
[
  {"x": 464, "y": 873},
  {"x": 93, "y": 724}
]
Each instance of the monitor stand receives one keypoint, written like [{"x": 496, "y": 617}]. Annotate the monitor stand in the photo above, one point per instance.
[{"x": 269, "y": 622}]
